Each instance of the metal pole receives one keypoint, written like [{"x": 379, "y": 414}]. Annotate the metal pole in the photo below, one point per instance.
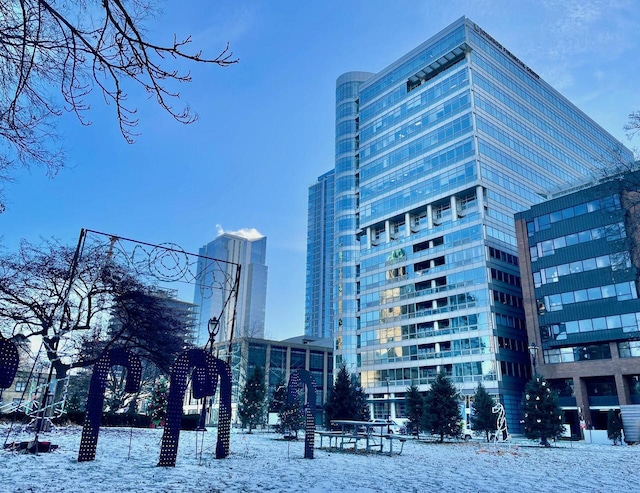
[
  {"x": 533, "y": 350},
  {"x": 388, "y": 401}
]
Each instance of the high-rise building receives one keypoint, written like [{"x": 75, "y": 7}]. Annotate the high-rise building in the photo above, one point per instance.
[
  {"x": 434, "y": 155},
  {"x": 246, "y": 248},
  {"x": 319, "y": 285},
  {"x": 580, "y": 259}
]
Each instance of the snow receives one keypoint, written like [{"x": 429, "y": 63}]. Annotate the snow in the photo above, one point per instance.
[{"x": 126, "y": 462}]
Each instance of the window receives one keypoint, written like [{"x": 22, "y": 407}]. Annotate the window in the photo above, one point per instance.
[
  {"x": 546, "y": 248},
  {"x": 567, "y": 298},
  {"x": 630, "y": 349},
  {"x": 559, "y": 242},
  {"x": 624, "y": 291},
  {"x": 581, "y": 295},
  {"x": 543, "y": 222},
  {"x": 585, "y": 325}
]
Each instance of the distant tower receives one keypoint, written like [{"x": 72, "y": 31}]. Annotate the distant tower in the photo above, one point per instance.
[
  {"x": 319, "y": 284},
  {"x": 248, "y": 248}
]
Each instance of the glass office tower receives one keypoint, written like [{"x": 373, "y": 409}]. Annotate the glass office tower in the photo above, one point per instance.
[
  {"x": 434, "y": 155},
  {"x": 319, "y": 280},
  {"x": 250, "y": 252}
]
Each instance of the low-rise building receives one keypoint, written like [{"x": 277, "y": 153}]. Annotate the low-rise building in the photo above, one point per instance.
[{"x": 278, "y": 359}]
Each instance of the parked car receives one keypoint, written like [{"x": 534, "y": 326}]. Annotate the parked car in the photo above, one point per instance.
[
  {"x": 392, "y": 426},
  {"x": 466, "y": 433}
]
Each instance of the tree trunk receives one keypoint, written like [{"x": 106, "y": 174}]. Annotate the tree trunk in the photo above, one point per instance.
[{"x": 53, "y": 395}]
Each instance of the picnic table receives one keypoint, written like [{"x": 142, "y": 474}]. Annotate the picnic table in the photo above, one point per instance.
[{"x": 370, "y": 435}]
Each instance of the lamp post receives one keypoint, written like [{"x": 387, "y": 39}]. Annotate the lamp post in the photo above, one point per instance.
[
  {"x": 212, "y": 327},
  {"x": 388, "y": 401},
  {"x": 533, "y": 350}
]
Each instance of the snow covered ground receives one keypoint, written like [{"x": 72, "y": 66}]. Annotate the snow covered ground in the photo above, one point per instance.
[{"x": 126, "y": 462}]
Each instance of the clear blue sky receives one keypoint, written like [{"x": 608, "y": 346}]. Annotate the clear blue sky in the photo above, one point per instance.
[{"x": 266, "y": 128}]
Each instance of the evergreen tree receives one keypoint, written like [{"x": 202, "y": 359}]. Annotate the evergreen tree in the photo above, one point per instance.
[
  {"x": 279, "y": 397},
  {"x": 157, "y": 408},
  {"x": 414, "y": 404},
  {"x": 614, "y": 426},
  {"x": 542, "y": 415},
  {"x": 77, "y": 392},
  {"x": 291, "y": 414},
  {"x": 346, "y": 400},
  {"x": 359, "y": 399},
  {"x": 252, "y": 400},
  {"x": 441, "y": 410},
  {"x": 292, "y": 417},
  {"x": 482, "y": 417}
]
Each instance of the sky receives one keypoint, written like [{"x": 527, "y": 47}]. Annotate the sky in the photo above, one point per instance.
[{"x": 266, "y": 125}]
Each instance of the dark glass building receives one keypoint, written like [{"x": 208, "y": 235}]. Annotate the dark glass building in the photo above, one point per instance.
[{"x": 579, "y": 261}]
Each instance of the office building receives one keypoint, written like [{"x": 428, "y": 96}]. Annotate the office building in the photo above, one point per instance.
[
  {"x": 434, "y": 155},
  {"x": 579, "y": 260},
  {"x": 319, "y": 285},
  {"x": 247, "y": 249},
  {"x": 278, "y": 359}
]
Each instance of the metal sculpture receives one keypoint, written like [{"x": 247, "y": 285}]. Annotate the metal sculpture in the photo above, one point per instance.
[
  {"x": 224, "y": 409},
  {"x": 167, "y": 263},
  {"x": 206, "y": 370},
  {"x": 9, "y": 360},
  {"x": 95, "y": 400},
  {"x": 298, "y": 381},
  {"x": 502, "y": 434}
]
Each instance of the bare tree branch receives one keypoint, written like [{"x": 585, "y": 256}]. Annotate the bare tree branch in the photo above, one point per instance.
[
  {"x": 75, "y": 47},
  {"x": 108, "y": 305}
]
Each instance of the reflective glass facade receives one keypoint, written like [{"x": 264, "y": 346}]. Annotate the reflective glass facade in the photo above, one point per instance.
[
  {"x": 251, "y": 254},
  {"x": 345, "y": 245},
  {"x": 319, "y": 280},
  {"x": 434, "y": 155}
]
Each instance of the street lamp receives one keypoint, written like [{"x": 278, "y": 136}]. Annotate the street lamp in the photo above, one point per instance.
[
  {"x": 213, "y": 329},
  {"x": 388, "y": 401},
  {"x": 533, "y": 350}
]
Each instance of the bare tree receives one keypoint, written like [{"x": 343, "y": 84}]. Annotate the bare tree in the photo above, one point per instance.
[
  {"x": 73, "y": 47},
  {"x": 80, "y": 307},
  {"x": 633, "y": 125}
]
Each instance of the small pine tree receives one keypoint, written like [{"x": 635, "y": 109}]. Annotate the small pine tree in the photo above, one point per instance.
[
  {"x": 614, "y": 426},
  {"x": 252, "y": 400},
  {"x": 542, "y": 416},
  {"x": 346, "y": 400},
  {"x": 279, "y": 397},
  {"x": 292, "y": 417},
  {"x": 77, "y": 392},
  {"x": 414, "y": 404},
  {"x": 482, "y": 417},
  {"x": 157, "y": 408},
  {"x": 441, "y": 411},
  {"x": 360, "y": 405}
]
